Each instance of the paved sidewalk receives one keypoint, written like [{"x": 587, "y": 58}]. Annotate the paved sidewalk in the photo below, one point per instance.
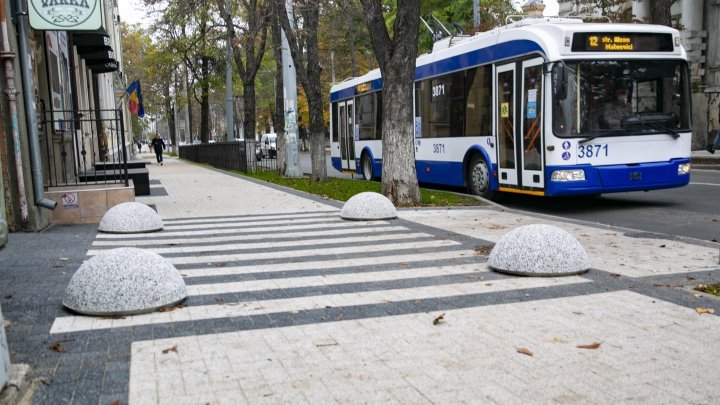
[{"x": 290, "y": 304}]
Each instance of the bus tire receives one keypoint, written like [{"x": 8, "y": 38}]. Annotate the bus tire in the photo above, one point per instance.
[
  {"x": 367, "y": 167},
  {"x": 478, "y": 178}
]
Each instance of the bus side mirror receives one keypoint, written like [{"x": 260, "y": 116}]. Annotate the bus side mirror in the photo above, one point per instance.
[{"x": 559, "y": 81}]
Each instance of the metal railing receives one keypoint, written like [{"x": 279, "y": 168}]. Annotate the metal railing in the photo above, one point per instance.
[
  {"x": 74, "y": 141},
  {"x": 240, "y": 155}
]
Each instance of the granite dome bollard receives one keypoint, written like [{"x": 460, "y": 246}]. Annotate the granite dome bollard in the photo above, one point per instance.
[
  {"x": 539, "y": 250},
  {"x": 124, "y": 281},
  {"x": 368, "y": 206},
  {"x": 130, "y": 217}
]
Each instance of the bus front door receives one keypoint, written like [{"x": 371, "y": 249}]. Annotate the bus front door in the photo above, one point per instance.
[
  {"x": 346, "y": 134},
  {"x": 519, "y": 127}
]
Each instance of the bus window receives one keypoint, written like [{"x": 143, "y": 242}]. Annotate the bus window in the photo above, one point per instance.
[
  {"x": 365, "y": 115},
  {"x": 334, "y": 119},
  {"x": 654, "y": 96},
  {"x": 478, "y": 110},
  {"x": 378, "y": 121},
  {"x": 440, "y": 102}
]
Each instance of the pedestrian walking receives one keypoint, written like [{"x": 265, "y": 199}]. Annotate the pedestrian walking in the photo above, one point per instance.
[
  {"x": 716, "y": 144},
  {"x": 139, "y": 145},
  {"x": 158, "y": 145}
]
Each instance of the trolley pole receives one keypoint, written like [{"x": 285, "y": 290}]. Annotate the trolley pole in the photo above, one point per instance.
[{"x": 291, "y": 126}]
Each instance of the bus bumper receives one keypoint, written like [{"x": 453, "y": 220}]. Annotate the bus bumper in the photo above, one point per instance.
[{"x": 619, "y": 178}]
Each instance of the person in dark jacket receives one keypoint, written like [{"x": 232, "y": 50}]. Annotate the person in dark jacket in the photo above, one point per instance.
[{"x": 158, "y": 145}]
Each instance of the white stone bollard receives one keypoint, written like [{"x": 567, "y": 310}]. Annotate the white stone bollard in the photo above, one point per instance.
[
  {"x": 130, "y": 217},
  {"x": 124, "y": 281},
  {"x": 368, "y": 206},
  {"x": 539, "y": 250}
]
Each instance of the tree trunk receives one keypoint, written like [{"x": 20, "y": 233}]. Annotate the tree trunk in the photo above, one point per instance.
[
  {"x": 249, "y": 96},
  {"x": 205, "y": 102},
  {"x": 660, "y": 12},
  {"x": 317, "y": 136},
  {"x": 396, "y": 58},
  {"x": 170, "y": 111}
]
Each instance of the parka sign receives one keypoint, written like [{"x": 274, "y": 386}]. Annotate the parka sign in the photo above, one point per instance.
[{"x": 65, "y": 15}]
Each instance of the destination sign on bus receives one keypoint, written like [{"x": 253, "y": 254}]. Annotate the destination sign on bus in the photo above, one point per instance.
[{"x": 621, "y": 42}]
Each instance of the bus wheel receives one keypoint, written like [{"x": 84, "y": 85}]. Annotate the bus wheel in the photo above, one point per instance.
[
  {"x": 367, "y": 167},
  {"x": 479, "y": 178}
]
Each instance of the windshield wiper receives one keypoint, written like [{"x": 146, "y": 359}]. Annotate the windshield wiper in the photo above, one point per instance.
[
  {"x": 600, "y": 134},
  {"x": 657, "y": 121}
]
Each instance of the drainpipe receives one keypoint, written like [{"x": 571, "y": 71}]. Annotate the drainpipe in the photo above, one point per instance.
[
  {"x": 30, "y": 112},
  {"x": 8, "y": 56}
]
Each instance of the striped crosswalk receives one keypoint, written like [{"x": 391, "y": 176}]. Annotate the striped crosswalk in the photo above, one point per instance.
[{"x": 301, "y": 262}]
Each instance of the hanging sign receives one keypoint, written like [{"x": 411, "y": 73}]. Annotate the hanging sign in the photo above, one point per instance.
[{"x": 65, "y": 15}]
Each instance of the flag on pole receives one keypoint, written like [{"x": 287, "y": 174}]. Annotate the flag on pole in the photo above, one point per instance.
[{"x": 136, "y": 101}]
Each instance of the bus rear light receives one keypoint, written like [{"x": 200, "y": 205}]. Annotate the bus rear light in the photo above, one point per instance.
[
  {"x": 568, "y": 175},
  {"x": 684, "y": 169}
]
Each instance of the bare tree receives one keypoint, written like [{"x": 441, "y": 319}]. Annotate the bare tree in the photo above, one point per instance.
[
  {"x": 396, "y": 57},
  {"x": 250, "y": 44},
  {"x": 303, "y": 43}
]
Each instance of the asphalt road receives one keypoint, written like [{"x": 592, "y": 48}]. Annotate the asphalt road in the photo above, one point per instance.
[{"x": 692, "y": 211}]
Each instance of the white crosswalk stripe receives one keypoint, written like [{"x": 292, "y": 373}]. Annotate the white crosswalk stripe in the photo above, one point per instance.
[{"x": 313, "y": 242}]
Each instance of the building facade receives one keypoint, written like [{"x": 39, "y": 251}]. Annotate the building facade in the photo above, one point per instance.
[{"x": 62, "y": 107}]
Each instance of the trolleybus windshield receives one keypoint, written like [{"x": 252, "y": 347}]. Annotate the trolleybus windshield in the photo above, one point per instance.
[{"x": 620, "y": 97}]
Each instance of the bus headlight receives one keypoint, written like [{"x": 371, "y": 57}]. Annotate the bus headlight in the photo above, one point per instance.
[
  {"x": 683, "y": 169},
  {"x": 568, "y": 175}
]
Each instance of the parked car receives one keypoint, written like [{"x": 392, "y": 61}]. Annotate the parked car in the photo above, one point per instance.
[{"x": 268, "y": 146}]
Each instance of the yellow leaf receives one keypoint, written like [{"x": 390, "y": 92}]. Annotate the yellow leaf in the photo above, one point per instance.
[{"x": 701, "y": 310}]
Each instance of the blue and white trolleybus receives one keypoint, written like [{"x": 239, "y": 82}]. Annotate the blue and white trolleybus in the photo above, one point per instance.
[{"x": 542, "y": 106}]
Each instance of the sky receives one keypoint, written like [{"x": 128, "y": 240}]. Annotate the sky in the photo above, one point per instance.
[{"x": 133, "y": 12}]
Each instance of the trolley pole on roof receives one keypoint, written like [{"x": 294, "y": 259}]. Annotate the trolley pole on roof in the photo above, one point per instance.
[{"x": 289, "y": 83}]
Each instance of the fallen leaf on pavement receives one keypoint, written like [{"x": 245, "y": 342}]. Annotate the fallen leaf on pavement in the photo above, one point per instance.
[
  {"x": 439, "y": 319},
  {"x": 115, "y": 402},
  {"x": 219, "y": 264},
  {"x": 592, "y": 346},
  {"x": 614, "y": 275},
  {"x": 524, "y": 351},
  {"x": 482, "y": 250},
  {"x": 57, "y": 348},
  {"x": 701, "y": 310},
  {"x": 172, "y": 349}
]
